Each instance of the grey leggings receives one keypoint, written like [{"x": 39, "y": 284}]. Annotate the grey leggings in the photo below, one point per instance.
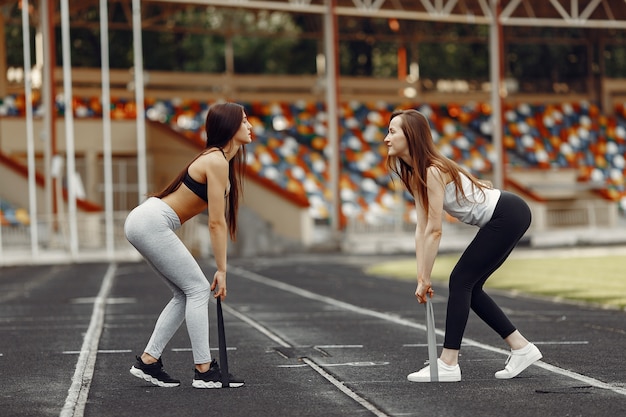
[{"x": 150, "y": 228}]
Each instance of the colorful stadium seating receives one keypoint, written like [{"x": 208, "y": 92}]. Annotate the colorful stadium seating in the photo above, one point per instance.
[
  {"x": 10, "y": 215},
  {"x": 291, "y": 149}
]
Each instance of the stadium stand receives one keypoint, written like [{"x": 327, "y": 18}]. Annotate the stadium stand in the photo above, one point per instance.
[
  {"x": 10, "y": 215},
  {"x": 290, "y": 147}
]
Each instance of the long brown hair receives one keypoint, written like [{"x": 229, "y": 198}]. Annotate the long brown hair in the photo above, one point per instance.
[
  {"x": 424, "y": 154},
  {"x": 223, "y": 120}
]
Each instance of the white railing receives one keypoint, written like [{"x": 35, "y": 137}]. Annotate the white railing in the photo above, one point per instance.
[
  {"x": 564, "y": 223},
  {"x": 574, "y": 213},
  {"x": 386, "y": 234},
  {"x": 546, "y": 216},
  {"x": 95, "y": 242}
]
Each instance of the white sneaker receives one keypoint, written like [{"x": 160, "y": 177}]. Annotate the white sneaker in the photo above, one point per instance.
[
  {"x": 447, "y": 373},
  {"x": 519, "y": 360}
]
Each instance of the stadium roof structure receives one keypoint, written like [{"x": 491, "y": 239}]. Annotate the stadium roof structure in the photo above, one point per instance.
[
  {"x": 540, "y": 13},
  {"x": 557, "y": 13},
  {"x": 494, "y": 13}
]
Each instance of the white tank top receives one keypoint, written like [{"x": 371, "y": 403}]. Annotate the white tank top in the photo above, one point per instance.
[{"x": 475, "y": 208}]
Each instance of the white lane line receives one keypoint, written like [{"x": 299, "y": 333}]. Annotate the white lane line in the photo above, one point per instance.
[
  {"x": 117, "y": 300},
  {"x": 356, "y": 397},
  {"x": 339, "y": 346},
  {"x": 572, "y": 342},
  {"x": 332, "y": 365},
  {"x": 81, "y": 382},
  {"x": 277, "y": 339},
  {"x": 190, "y": 350},
  {"x": 252, "y": 276},
  {"x": 257, "y": 326},
  {"x": 76, "y": 352},
  {"x": 356, "y": 364}
]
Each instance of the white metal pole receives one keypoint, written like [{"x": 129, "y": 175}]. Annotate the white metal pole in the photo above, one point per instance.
[
  {"x": 30, "y": 140},
  {"x": 46, "y": 88},
  {"x": 139, "y": 102},
  {"x": 496, "y": 85},
  {"x": 69, "y": 128},
  {"x": 1, "y": 250},
  {"x": 106, "y": 127},
  {"x": 330, "y": 44}
]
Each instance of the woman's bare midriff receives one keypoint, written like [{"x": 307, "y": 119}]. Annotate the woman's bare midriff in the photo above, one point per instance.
[{"x": 185, "y": 203}]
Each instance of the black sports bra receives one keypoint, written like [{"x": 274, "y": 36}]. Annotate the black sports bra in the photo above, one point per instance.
[{"x": 198, "y": 188}]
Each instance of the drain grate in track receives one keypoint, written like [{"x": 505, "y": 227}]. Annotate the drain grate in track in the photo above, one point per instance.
[
  {"x": 301, "y": 352},
  {"x": 580, "y": 389}
]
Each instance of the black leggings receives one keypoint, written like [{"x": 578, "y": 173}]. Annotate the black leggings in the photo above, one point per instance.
[{"x": 489, "y": 249}]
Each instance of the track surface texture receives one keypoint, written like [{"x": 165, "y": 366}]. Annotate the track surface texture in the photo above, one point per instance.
[{"x": 312, "y": 335}]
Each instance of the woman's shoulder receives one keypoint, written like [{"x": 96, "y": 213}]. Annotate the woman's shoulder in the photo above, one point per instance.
[
  {"x": 439, "y": 173},
  {"x": 212, "y": 157},
  {"x": 208, "y": 162}
]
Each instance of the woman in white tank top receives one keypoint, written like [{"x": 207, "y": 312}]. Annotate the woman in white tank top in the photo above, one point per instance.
[{"x": 439, "y": 185}]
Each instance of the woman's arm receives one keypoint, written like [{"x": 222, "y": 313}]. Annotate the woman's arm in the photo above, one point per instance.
[
  {"x": 428, "y": 232},
  {"x": 217, "y": 183},
  {"x": 420, "y": 232}
]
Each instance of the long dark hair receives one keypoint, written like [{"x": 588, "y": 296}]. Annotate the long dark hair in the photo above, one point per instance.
[
  {"x": 223, "y": 120},
  {"x": 424, "y": 153}
]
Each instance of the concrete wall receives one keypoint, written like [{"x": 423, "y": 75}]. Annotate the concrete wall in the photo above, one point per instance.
[
  {"x": 88, "y": 145},
  {"x": 288, "y": 220},
  {"x": 14, "y": 188},
  {"x": 561, "y": 202},
  {"x": 87, "y": 135},
  {"x": 269, "y": 212},
  {"x": 167, "y": 156},
  {"x": 557, "y": 184}
]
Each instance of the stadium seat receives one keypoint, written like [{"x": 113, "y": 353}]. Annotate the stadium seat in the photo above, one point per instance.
[{"x": 292, "y": 150}]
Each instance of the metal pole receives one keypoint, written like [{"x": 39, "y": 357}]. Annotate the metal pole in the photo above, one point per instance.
[
  {"x": 69, "y": 128},
  {"x": 330, "y": 44},
  {"x": 47, "y": 133},
  {"x": 139, "y": 102},
  {"x": 30, "y": 139},
  {"x": 497, "y": 92},
  {"x": 106, "y": 128}
]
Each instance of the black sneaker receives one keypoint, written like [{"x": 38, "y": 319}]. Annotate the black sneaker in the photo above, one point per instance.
[
  {"x": 153, "y": 373},
  {"x": 213, "y": 378}
]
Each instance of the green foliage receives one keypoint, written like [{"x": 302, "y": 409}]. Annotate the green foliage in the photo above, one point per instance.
[
  {"x": 15, "y": 45},
  {"x": 194, "y": 52},
  {"x": 284, "y": 56},
  {"x": 468, "y": 61},
  {"x": 615, "y": 61},
  {"x": 547, "y": 61},
  {"x": 273, "y": 42}
]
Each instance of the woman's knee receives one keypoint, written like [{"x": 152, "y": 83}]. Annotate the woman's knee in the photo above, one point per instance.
[
  {"x": 179, "y": 295},
  {"x": 460, "y": 280},
  {"x": 201, "y": 291},
  {"x": 478, "y": 297}
]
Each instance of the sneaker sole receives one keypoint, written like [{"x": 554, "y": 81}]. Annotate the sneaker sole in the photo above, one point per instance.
[
  {"x": 198, "y": 383},
  {"x": 530, "y": 361},
  {"x": 427, "y": 379},
  {"x": 142, "y": 375},
  {"x": 204, "y": 384}
]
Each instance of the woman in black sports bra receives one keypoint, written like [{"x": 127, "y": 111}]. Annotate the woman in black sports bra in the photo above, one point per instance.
[{"x": 212, "y": 181}]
